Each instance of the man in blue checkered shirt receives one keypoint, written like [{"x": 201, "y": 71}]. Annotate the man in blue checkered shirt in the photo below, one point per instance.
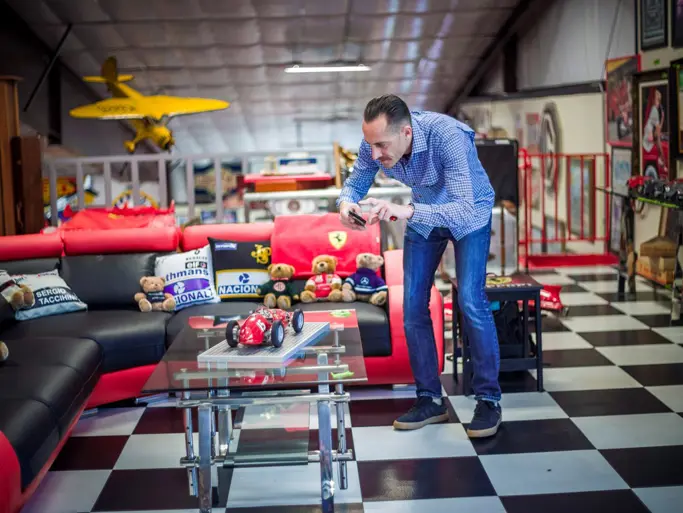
[{"x": 452, "y": 199}]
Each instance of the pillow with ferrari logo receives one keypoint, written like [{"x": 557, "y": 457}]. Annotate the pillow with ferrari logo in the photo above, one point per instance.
[{"x": 240, "y": 267}]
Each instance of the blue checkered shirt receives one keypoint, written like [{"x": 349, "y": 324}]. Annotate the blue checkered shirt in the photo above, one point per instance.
[{"x": 450, "y": 187}]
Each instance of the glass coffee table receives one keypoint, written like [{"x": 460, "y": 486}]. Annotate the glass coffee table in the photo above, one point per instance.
[{"x": 252, "y": 408}]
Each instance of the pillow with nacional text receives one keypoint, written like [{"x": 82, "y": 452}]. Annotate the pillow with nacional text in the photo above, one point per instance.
[
  {"x": 240, "y": 267},
  {"x": 53, "y": 296}
]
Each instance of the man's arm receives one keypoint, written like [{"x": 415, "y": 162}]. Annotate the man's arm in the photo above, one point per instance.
[
  {"x": 357, "y": 185},
  {"x": 455, "y": 144}
]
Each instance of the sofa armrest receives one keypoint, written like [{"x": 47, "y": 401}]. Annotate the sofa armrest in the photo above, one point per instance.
[
  {"x": 10, "y": 477},
  {"x": 393, "y": 267},
  {"x": 399, "y": 348}
]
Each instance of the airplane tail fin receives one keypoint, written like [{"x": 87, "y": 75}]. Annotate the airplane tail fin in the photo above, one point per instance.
[{"x": 109, "y": 74}]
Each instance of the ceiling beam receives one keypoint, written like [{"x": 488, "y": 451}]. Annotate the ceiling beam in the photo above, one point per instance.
[{"x": 523, "y": 17}]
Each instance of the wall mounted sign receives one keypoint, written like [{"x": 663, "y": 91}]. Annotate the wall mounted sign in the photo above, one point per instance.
[
  {"x": 677, "y": 24},
  {"x": 550, "y": 144},
  {"x": 653, "y": 24}
]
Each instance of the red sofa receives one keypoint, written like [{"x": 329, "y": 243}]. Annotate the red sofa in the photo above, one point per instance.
[{"x": 81, "y": 360}]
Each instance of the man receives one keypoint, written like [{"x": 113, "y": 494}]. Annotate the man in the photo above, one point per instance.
[{"x": 452, "y": 199}]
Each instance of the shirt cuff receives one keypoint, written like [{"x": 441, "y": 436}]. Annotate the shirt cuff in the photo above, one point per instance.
[
  {"x": 344, "y": 197},
  {"x": 422, "y": 213}
]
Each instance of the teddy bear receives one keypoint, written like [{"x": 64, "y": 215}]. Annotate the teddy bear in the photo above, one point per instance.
[
  {"x": 153, "y": 298},
  {"x": 278, "y": 291},
  {"x": 325, "y": 284},
  {"x": 18, "y": 296},
  {"x": 4, "y": 351},
  {"x": 365, "y": 284}
]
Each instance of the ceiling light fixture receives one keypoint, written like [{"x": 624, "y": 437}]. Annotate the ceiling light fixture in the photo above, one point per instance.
[{"x": 326, "y": 69}]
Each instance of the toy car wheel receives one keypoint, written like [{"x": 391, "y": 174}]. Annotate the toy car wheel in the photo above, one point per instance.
[
  {"x": 232, "y": 333},
  {"x": 277, "y": 334},
  {"x": 297, "y": 321}
]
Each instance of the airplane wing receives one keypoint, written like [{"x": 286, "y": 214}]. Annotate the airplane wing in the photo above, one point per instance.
[
  {"x": 171, "y": 106},
  {"x": 112, "y": 108}
]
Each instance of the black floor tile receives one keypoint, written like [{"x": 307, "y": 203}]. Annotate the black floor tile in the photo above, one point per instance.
[
  {"x": 383, "y": 412},
  {"x": 510, "y": 382},
  {"x": 90, "y": 453},
  {"x": 655, "y": 321},
  {"x": 614, "y": 297},
  {"x": 657, "y": 375},
  {"x": 549, "y": 325},
  {"x": 585, "y": 310},
  {"x": 314, "y": 445},
  {"x": 534, "y": 436},
  {"x": 624, "y": 501},
  {"x": 597, "y": 403},
  {"x": 648, "y": 466},
  {"x": 429, "y": 478},
  {"x": 138, "y": 490},
  {"x": 166, "y": 420},
  {"x": 574, "y": 287},
  {"x": 593, "y": 277},
  {"x": 623, "y": 338},
  {"x": 574, "y": 358},
  {"x": 338, "y": 508}
]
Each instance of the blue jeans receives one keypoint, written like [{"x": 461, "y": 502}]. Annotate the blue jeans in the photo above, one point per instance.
[{"x": 421, "y": 258}]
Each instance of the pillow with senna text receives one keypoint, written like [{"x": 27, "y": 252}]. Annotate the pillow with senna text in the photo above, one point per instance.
[{"x": 240, "y": 267}]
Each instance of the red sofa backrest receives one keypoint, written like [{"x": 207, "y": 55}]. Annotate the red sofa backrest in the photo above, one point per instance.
[
  {"x": 23, "y": 247},
  {"x": 298, "y": 239},
  {"x": 125, "y": 240},
  {"x": 195, "y": 237}
]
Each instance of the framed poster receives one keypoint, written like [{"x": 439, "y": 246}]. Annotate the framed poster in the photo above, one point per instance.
[
  {"x": 654, "y": 29},
  {"x": 677, "y": 23},
  {"x": 621, "y": 171},
  {"x": 581, "y": 196},
  {"x": 676, "y": 110},
  {"x": 619, "y": 99},
  {"x": 653, "y": 140}
]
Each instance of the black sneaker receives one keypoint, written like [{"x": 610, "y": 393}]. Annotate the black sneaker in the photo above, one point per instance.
[
  {"x": 425, "y": 411},
  {"x": 486, "y": 420}
]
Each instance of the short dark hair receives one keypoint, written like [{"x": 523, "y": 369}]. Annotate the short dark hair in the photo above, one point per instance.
[{"x": 393, "y": 107}]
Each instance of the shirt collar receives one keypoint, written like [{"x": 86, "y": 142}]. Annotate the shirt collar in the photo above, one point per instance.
[{"x": 419, "y": 140}]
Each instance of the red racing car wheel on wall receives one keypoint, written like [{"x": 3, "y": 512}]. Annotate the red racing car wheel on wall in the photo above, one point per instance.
[
  {"x": 232, "y": 333},
  {"x": 277, "y": 334}
]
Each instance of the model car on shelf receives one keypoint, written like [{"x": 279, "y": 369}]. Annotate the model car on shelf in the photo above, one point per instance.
[
  {"x": 264, "y": 326},
  {"x": 673, "y": 194},
  {"x": 636, "y": 184}
]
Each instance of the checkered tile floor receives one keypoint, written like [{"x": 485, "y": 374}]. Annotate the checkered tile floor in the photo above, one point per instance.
[{"x": 607, "y": 432}]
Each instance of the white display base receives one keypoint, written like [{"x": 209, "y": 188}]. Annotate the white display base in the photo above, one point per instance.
[{"x": 222, "y": 353}]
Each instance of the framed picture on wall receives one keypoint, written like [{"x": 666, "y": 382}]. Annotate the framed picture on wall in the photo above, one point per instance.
[
  {"x": 676, "y": 99},
  {"x": 619, "y": 99},
  {"x": 654, "y": 29},
  {"x": 652, "y": 138},
  {"x": 676, "y": 23},
  {"x": 621, "y": 171},
  {"x": 581, "y": 196}
]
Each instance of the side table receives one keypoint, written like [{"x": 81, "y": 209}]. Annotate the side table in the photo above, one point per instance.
[{"x": 518, "y": 287}]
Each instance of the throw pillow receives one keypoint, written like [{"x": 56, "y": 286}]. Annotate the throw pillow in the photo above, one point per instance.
[
  {"x": 53, "y": 296},
  {"x": 189, "y": 277},
  {"x": 240, "y": 267}
]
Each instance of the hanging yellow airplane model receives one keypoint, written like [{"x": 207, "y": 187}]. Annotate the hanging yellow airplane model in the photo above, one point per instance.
[{"x": 149, "y": 115}]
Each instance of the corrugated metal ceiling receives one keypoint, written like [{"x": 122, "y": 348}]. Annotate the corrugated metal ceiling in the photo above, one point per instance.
[{"x": 237, "y": 50}]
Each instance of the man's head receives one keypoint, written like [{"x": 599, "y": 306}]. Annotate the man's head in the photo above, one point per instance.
[{"x": 387, "y": 128}]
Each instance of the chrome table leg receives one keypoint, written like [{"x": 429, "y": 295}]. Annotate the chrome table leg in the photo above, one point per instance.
[
  {"x": 341, "y": 439},
  {"x": 189, "y": 447},
  {"x": 325, "y": 443},
  {"x": 205, "y": 449}
]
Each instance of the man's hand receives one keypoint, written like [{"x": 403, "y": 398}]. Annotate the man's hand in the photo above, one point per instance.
[
  {"x": 344, "y": 217},
  {"x": 383, "y": 210}
]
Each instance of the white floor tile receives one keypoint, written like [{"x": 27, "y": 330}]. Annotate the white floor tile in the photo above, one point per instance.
[
  {"x": 627, "y": 431},
  {"x": 671, "y": 395},
  {"x": 401, "y": 392},
  {"x": 313, "y": 419},
  {"x": 673, "y": 333},
  {"x": 642, "y": 308},
  {"x": 602, "y": 287},
  {"x": 586, "y": 378},
  {"x": 665, "y": 499},
  {"x": 153, "y": 451},
  {"x": 558, "y": 340},
  {"x": 433, "y": 441},
  {"x": 295, "y": 485},
  {"x": 518, "y": 406},
  {"x": 157, "y": 511},
  {"x": 109, "y": 422},
  {"x": 62, "y": 492},
  {"x": 581, "y": 299},
  {"x": 459, "y": 505},
  {"x": 551, "y": 472},
  {"x": 650, "y": 354},
  {"x": 593, "y": 269},
  {"x": 553, "y": 279},
  {"x": 603, "y": 323}
]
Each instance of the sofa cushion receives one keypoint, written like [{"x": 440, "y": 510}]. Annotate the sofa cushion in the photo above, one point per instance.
[
  {"x": 30, "y": 266},
  {"x": 189, "y": 277},
  {"x": 32, "y": 431},
  {"x": 372, "y": 323},
  {"x": 103, "y": 281},
  {"x": 180, "y": 319},
  {"x": 128, "y": 338}
]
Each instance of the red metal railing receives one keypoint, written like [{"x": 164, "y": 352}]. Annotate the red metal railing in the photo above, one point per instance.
[{"x": 562, "y": 214}]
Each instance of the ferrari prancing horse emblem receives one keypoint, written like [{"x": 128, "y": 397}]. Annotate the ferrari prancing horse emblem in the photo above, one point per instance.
[{"x": 337, "y": 239}]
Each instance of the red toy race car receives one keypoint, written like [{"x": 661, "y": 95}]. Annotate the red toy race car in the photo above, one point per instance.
[{"x": 264, "y": 325}]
